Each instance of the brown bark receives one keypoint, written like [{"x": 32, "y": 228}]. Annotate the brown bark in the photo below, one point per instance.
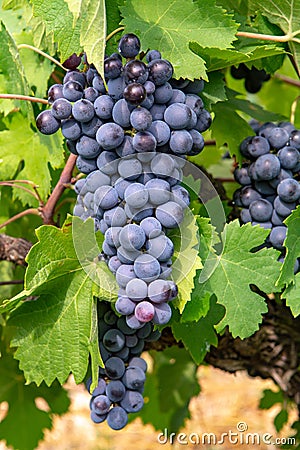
[{"x": 14, "y": 249}]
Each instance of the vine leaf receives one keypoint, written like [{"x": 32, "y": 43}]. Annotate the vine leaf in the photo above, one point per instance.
[
  {"x": 54, "y": 330},
  {"x": 173, "y": 25},
  {"x": 238, "y": 268},
  {"x": 19, "y": 143},
  {"x": 174, "y": 374},
  {"x": 291, "y": 294},
  {"x": 197, "y": 337},
  {"x": 59, "y": 21},
  {"x": 23, "y": 410},
  {"x": 12, "y": 76},
  {"x": 187, "y": 259},
  {"x": 285, "y": 14},
  {"x": 292, "y": 244},
  {"x": 93, "y": 32}
]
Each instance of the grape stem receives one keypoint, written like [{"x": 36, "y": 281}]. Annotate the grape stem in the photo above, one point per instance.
[
  {"x": 287, "y": 80},
  {"x": 269, "y": 37},
  {"x": 4, "y": 283},
  {"x": 12, "y": 183},
  {"x": 47, "y": 211},
  {"x": 37, "y": 50},
  {"x": 117, "y": 30},
  {"x": 28, "y": 211},
  {"x": 293, "y": 109},
  {"x": 24, "y": 97}
]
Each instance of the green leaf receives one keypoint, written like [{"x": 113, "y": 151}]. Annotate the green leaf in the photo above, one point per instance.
[
  {"x": 254, "y": 50},
  {"x": 186, "y": 257},
  {"x": 93, "y": 32},
  {"x": 12, "y": 76},
  {"x": 75, "y": 8},
  {"x": 291, "y": 294},
  {"x": 30, "y": 419},
  {"x": 226, "y": 119},
  {"x": 172, "y": 25},
  {"x": 169, "y": 389},
  {"x": 285, "y": 14},
  {"x": 62, "y": 330},
  {"x": 292, "y": 244},
  {"x": 58, "y": 20},
  {"x": 238, "y": 268},
  {"x": 270, "y": 398},
  {"x": 19, "y": 143},
  {"x": 281, "y": 419},
  {"x": 214, "y": 90},
  {"x": 197, "y": 337}
]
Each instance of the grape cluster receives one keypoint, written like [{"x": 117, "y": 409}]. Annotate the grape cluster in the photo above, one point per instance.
[
  {"x": 121, "y": 382},
  {"x": 132, "y": 141},
  {"x": 254, "y": 78},
  {"x": 270, "y": 189}
]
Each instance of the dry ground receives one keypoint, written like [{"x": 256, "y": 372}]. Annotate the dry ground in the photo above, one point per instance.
[{"x": 225, "y": 401}]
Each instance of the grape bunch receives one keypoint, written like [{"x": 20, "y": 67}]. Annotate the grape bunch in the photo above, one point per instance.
[
  {"x": 269, "y": 178},
  {"x": 132, "y": 140},
  {"x": 121, "y": 382},
  {"x": 254, "y": 78}
]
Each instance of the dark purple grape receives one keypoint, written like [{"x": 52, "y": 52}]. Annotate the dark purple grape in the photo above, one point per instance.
[
  {"x": 55, "y": 92},
  {"x": 129, "y": 45},
  {"x": 46, "y": 123},
  {"x": 112, "y": 67},
  {"x": 72, "y": 62},
  {"x": 160, "y": 71},
  {"x": 135, "y": 93},
  {"x": 135, "y": 71}
]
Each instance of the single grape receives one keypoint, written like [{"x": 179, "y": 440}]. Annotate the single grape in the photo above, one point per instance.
[
  {"x": 160, "y": 71},
  {"x": 75, "y": 75},
  {"x": 132, "y": 237},
  {"x": 137, "y": 361},
  {"x": 112, "y": 67},
  {"x": 83, "y": 110},
  {"x": 177, "y": 115},
  {"x": 130, "y": 169},
  {"x": 85, "y": 165},
  {"x": 144, "y": 311},
  {"x": 157, "y": 112},
  {"x": 110, "y": 135},
  {"x": 277, "y": 237},
  {"x": 161, "y": 247},
  {"x": 181, "y": 142},
  {"x": 136, "y": 195},
  {"x": 140, "y": 119},
  {"x": 127, "y": 256},
  {"x": 162, "y": 165},
  {"x": 159, "y": 191},
  {"x": 169, "y": 214},
  {"x": 114, "y": 367},
  {"x": 55, "y": 92},
  {"x": 46, "y": 123},
  {"x": 117, "y": 418},
  {"x": 90, "y": 128},
  {"x": 106, "y": 197},
  {"x": 71, "y": 129},
  {"x": 124, "y": 274},
  {"x": 258, "y": 146},
  {"x": 124, "y": 305},
  {"x": 87, "y": 147},
  {"x": 136, "y": 289},
  {"x": 135, "y": 71},
  {"x": 90, "y": 94},
  {"x": 121, "y": 113},
  {"x": 135, "y": 93},
  {"x": 132, "y": 401},
  {"x": 159, "y": 291},
  {"x": 100, "y": 388},
  {"x": 115, "y": 217},
  {"x": 100, "y": 404},
  {"x": 146, "y": 267},
  {"x": 144, "y": 141},
  {"x": 129, "y": 45},
  {"x": 116, "y": 87},
  {"x": 289, "y": 157},
  {"x": 61, "y": 109},
  {"x": 134, "y": 378},
  {"x": 153, "y": 54},
  {"x": 289, "y": 190},
  {"x": 278, "y": 137},
  {"x": 261, "y": 210},
  {"x": 283, "y": 208},
  {"x": 163, "y": 314},
  {"x": 204, "y": 121},
  {"x": 198, "y": 143},
  {"x": 103, "y": 106},
  {"x": 115, "y": 391},
  {"x": 72, "y": 91},
  {"x": 151, "y": 226}
]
